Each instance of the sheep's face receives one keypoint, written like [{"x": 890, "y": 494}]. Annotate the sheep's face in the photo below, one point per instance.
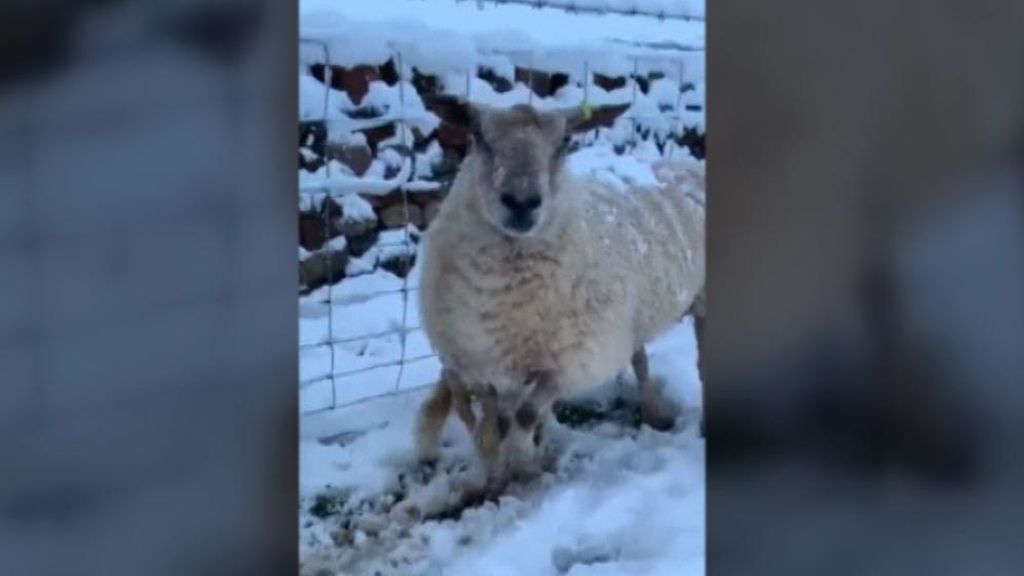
[
  {"x": 518, "y": 155},
  {"x": 522, "y": 154}
]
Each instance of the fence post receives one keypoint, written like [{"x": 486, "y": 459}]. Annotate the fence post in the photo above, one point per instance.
[
  {"x": 529, "y": 74},
  {"x": 632, "y": 116},
  {"x": 328, "y": 72},
  {"x": 403, "y": 127}
]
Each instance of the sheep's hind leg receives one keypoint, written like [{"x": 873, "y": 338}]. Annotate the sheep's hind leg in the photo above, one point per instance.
[
  {"x": 432, "y": 417},
  {"x": 698, "y": 326},
  {"x": 650, "y": 399}
]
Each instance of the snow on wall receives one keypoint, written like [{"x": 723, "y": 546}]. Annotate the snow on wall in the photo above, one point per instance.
[{"x": 439, "y": 51}]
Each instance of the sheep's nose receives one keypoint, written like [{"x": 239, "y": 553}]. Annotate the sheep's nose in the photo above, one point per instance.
[{"x": 521, "y": 206}]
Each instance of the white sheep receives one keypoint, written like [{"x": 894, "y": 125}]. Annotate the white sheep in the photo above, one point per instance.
[{"x": 537, "y": 285}]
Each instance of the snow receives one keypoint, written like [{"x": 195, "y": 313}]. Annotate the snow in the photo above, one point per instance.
[
  {"x": 546, "y": 40},
  {"x": 355, "y": 208},
  {"x": 622, "y": 172},
  {"x": 642, "y": 492},
  {"x": 427, "y": 160},
  {"x": 338, "y": 179},
  {"x": 338, "y": 243},
  {"x": 508, "y": 26}
]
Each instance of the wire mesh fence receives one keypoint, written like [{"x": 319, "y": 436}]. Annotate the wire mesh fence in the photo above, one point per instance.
[
  {"x": 341, "y": 328},
  {"x": 678, "y": 11}
]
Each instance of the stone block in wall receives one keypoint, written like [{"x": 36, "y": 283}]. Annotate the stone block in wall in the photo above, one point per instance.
[
  {"x": 366, "y": 113},
  {"x": 322, "y": 268},
  {"x": 609, "y": 83},
  {"x": 382, "y": 201},
  {"x": 358, "y": 245},
  {"x": 693, "y": 140},
  {"x": 354, "y": 81},
  {"x": 313, "y": 135},
  {"x": 402, "y": 151},
  {"x": 389, "y": 72},
  {"x": 312, "y": 230},
  {"x": 398, "y": 264},
  {"x": 420, "y": 140},
  {"x": 425, "y": 83},
  {"x": 352, "y": 228},
  {"x": 374, "y": 136},
  {"x": 330, "y": 209},
  {"x": 541, "y": 83},
  {"x": 358, "y": 158},
  {"x": 642, "y": 83},
  {"x": 394, "y": 216},
  {"x": 499, "y": 83},
  {"x": 340, "y": 224},
  {"x": 309, "y": 162}
]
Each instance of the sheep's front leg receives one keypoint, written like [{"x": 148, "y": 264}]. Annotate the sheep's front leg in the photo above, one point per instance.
[
  {"x": 491, "y": 431},
  {"x": 650, "y": 399},
  {"x": 532, "y": 413},
  {"x": 464, "y": 406},
  {"x": 432, "y": 417},
  {"x": 509, "y": 434}
]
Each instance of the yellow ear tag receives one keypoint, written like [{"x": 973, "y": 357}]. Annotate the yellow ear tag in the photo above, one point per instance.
[{"x": 587, "y": 110}]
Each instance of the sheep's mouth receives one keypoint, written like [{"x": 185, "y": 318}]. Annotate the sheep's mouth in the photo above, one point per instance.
[{"x": 519, "y": 225}]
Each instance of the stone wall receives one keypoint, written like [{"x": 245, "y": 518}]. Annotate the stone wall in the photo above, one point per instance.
[{"x": 359, "y": 234}]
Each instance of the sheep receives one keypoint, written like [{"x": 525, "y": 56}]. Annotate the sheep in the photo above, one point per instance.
[{"x": 537, "y": 285}]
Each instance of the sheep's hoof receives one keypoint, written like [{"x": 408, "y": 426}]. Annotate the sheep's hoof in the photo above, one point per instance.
[
  {"x": 658, "y": 421},
  {"x": 495, "y": 486},
  {"x": 425, "y": 469}
]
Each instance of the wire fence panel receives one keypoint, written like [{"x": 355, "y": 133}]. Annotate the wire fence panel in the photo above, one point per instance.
[
  {"x": 686, "y": 11},
  {"x": 360, "y": 337}
]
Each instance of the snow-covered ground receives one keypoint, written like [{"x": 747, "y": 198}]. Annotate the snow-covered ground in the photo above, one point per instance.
[{"x": 620, "y": 499}]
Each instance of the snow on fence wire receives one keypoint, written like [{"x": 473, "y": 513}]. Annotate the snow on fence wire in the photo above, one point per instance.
[
  {"x": 678, "y": 10},
  {"x": 358, "y": 316}
]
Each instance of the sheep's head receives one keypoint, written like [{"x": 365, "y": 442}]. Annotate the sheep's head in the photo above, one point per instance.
[{"x": 517, "y": 155}]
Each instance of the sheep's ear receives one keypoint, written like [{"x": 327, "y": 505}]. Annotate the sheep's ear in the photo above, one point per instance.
[
  {"x": 452, "y": 109},
  {"x": 586, "y": 118},
  {"x": 459, "y": 112}
]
